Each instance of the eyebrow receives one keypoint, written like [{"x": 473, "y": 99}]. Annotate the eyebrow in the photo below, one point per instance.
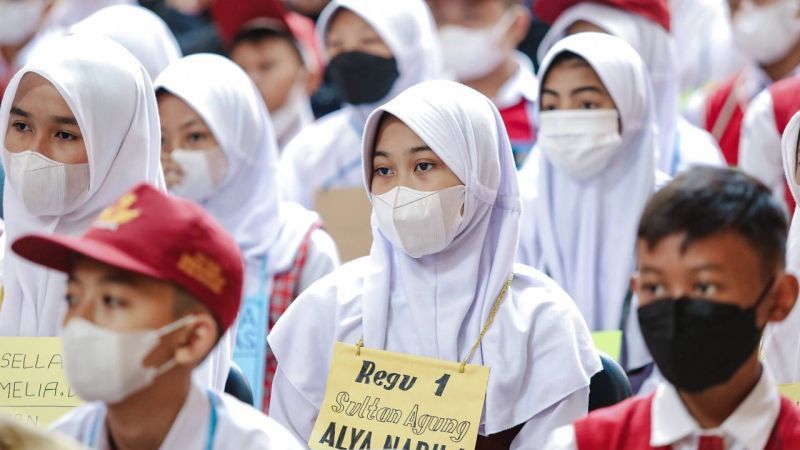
[
  {"x": 120, "y": 278},
  {"x": 412, "y": 150},
  {"x": 587, "y": 89},
  {"x": 19, "y": 112},
  {"x": 63, "y": 120},
  {"x": 709, "y": 266},
  {"x": 189, "y": 123},
  {"x": 649, "y": 269}
]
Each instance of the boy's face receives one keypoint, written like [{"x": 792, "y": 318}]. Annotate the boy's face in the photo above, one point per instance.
[
  {"x": 468, "y": 13},
  {"x": 348, "y": 32},
  {"x": 722, "y": 267},
  {"x": 122, "y": 301},
  {"x": 274, "y": 66}
]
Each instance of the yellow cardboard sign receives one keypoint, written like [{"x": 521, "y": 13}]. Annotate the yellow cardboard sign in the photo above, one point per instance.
[
  {"x": 609, "y": 342},
  {"x": 33, "y": 387},
  {"x": 387, "y": 400},
  {"x": 790, "y": 391}
]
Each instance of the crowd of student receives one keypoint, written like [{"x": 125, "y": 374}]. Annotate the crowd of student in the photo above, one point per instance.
[{"x": 641, "y": 179}]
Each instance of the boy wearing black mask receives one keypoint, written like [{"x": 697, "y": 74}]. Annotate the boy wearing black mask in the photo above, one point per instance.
[{"x": 711, "y": 249}]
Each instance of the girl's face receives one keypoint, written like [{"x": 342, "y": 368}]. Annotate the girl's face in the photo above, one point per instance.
[
  {"x": 348, "y": 32},
  {"x": 181, "y": 128},
  {"x": 401, "y": 158},
  {"x": 573, "y": 84},
  {"x": 41, "y": 121}
]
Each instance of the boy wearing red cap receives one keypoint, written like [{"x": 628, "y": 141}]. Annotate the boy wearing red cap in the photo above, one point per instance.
[
  {"x": 152, "y": 286},
  {"x": 711, "y": 252}
]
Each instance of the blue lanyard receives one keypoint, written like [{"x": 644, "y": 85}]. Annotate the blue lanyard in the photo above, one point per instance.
[{"x": 213, "y": 401}]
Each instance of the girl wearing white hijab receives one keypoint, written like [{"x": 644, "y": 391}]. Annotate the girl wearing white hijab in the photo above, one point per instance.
[
  {"x": 225, "y": 160},
  {"x": 368, "y": 73},
  {"x": 137, "y": 29},
  {"x": 442, "y": 271},
  {"x": 62, "y": 171},
  {"x": 596, "y": 170},
  {"x": 680, "y": 144},
  {"x": 781, "y": 346}
]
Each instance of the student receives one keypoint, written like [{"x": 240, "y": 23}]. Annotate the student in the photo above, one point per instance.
[
  {"x": 137, "y": 29},
  {"x": 764, "y": 122},
  {"x": 597, "y": 143},
  {"x": 781, "y": 351},
  {"x": 478, "y": 48},
  {"x": 22, "y": 28},
  {"x": 376, "y": 49},
  {"x": 79, "y": 124},
  {"x": 219, "y": 150},
  {"x": 140, "y": 318},
  {"x": 645, "y": 26},
  {"x": 710, "y": 251},
  {"x": 768, "y": 33},
  {"x": 272, "y": 46},
  {"x": 416, "y": 272}
]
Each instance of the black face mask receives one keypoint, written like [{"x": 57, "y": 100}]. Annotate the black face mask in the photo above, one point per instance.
[
  {"x": 361, "y": 77},
  {"x": 699, "y": 343}
]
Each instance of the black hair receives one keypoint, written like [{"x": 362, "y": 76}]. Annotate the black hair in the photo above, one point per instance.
[
  {"x": 256, "y": 35},
  {"x": 708, "y": 200}
]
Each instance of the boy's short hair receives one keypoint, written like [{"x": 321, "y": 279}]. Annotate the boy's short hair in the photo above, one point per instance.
[
  {"x": 258, "y": 34},
  {"x": 708, "y": 200}
]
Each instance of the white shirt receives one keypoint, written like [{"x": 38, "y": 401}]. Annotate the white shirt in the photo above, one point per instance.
[
  {"x": 238, "y": 426},
  {"x": 748, "y": 428},
  {"x": 322, "y": 259},
  {"x": 523, "y": 84},
  {"x": 760, "y": 145}
]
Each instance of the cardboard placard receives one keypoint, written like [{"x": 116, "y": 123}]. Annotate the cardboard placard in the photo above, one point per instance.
[
  {"x": 250, "y": 350},
  {"x": 346, "y": 214},
  {"x": 609, "y": 342},
  {"x": 387, "y": 400},
  {"x": 33, "y": 386},
  {"x": 790, "y": 391}
]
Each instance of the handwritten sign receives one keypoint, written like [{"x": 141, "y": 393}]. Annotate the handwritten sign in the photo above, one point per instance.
[
  {"x": 33, "y": 386},
  {"x": 790, "y": 391},
  {"x": 609, "y": 342},
  {"x": 387, "y": 400},
  {"x": 250, "y": 350}
]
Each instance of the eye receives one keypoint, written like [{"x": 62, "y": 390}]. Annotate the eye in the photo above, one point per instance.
[
  {"x": 549, "y": 107},
  {"x": 424, "y": 166},
  {"x": 65, "y": 136},
  {"x": 371, "y": 40},
  {"x": 196, "y": 137},
  {"x": 706, "y": 289},
  {"x": 383, "y": 171},
  {"x": 22, "y": 127},
  {"x": 588, "y": 105},
  {"x": 654, "y": 289},
  {"x": 113, "y": 302},
  {"x": 71, "y": 299}
]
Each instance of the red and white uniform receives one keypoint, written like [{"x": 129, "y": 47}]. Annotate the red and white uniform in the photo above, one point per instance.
[{"x": 516, "y": 102}]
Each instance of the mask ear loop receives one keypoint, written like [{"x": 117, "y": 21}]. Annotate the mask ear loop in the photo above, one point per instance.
[
  {"x": 764, "y": 293},
  {"x": 167, "y": 329}
]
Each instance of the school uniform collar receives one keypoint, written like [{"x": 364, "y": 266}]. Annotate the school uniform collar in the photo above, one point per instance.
[
  {"x": 750, "y": 424},
  {"x": 523, "y": 84}
]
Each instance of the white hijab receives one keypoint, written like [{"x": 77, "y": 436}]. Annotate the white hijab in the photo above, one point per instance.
[
  {"x": 112, "y": 98},
  {"x": 449, "y": 294},
  {"x": 657, "y": 49},
  {"x": 408, "y": 30},
  {"x": 139, "y": 30},
  {"x": 247, "y": 203},
  {"x": 782, "y": 340},
  {"x": 582, "y": 233}
]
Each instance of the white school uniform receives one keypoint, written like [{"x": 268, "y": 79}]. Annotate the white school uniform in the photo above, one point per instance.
[
  {"x": 112, "y": 98},
  {"x": 781, "y": 343},
  {"x": 207, "y": 421},
  {"x": 378, "y": 296},
  {"x": 137, "y": 29},
  {"x": 247, "y": 202},
  {"x": 671, "y": 424},
  {"x": 326, "y": 154},
  {"x": 677, "y": 147},
  {"x": 582, "y": 233}
]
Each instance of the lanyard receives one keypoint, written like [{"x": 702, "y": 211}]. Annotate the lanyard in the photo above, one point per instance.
[{"x": 213, "y": 401}]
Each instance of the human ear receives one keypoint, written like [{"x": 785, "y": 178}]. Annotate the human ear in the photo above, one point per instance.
[
  {"x": 522, "y": 22},
  {"x": 785, "y": 297},
  {"x": 197, "y": 341}
]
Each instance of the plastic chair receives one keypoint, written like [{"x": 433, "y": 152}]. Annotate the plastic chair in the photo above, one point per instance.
[
  {"x": 609, "y": 386},
  {"x": 238, "y": 386}
]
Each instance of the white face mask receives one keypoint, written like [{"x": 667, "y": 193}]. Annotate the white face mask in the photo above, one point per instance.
[
  {"x": 107, "y": 366},
  {"x": 46, "y": 187},
  {"x": 19, "y": 19},
  {"x": 580, "y": 142},
  {"x": 472, "y": 53},
  {"x": 767, "y": 33},
  {"x": 203, "y": 173},
  {"x": 419, "y": 223}
]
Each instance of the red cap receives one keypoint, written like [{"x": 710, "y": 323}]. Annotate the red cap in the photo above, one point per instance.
[
  {"x": 655, "y": 10},
  {"x": 163, "y": 237}
]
